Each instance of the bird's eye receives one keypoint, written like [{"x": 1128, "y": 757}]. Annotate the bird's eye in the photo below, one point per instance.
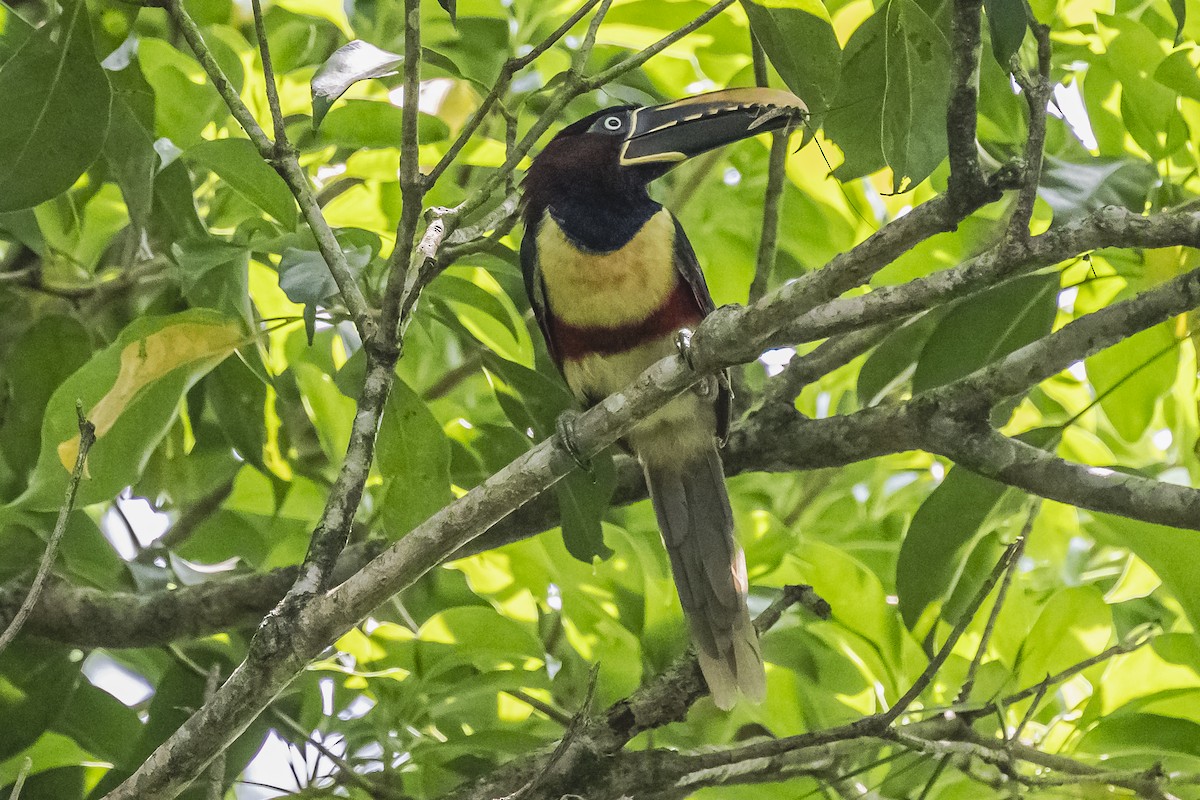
[{"x": 612, "y": 123}]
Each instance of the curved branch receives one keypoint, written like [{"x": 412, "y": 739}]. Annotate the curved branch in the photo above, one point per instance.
[{"x": 983, "y": 450}]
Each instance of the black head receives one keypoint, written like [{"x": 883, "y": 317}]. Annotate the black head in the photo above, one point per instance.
[{"x": 602, "y": 164}]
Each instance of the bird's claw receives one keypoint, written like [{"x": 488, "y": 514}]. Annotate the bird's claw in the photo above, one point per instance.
[
  {"x": 564, "y": 427},
  {"x": 683, "y": 343}
]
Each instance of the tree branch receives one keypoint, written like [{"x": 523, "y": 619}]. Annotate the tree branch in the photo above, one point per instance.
[
  {"x": 966, "y": 177},
  {"x": 87, "y": 437},
  {"x": 286, "y": 164}
]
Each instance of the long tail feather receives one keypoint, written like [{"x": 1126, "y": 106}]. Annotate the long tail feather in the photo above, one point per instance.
[{"x": 710, "y": 573}]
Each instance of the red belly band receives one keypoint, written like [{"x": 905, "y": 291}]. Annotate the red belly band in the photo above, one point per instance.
[{"x": 573, "y": 342}]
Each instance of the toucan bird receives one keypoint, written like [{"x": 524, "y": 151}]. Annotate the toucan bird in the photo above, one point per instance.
[{"x": 613, "y": 281}]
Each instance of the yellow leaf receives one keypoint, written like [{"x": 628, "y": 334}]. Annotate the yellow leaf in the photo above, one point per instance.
[{"x": 147, "y": 360}]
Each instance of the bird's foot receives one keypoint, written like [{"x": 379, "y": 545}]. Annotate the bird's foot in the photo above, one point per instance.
[
  {"x": 683, "y": 343},
  {"x": 564, "y": 427}
]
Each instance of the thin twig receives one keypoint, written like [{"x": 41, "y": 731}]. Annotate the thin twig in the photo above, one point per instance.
[
  {"x": 195, "y": 514},
  {"x": 768, "y": 242},
  {"x": 550, "y": 711},
  {"x": 510, "y": 68},
  {"x": 412, "y": 182},
  {"x": 288, "y": 167},
  {"x": 1120, "y": 648},
  {"x": 260, "y": 30},
  {"x": 960, "y": 627},
  {"x": 87, "y": 437},
  {"x": 964, "y": 694},
  {"x": 1042, "y": 688},
  {"x": 828, "y": 356},
  {"x": 22, "y": 774},
  {"x": 642, "y": 56},
  {"x": 575, "y": 728},
  {"x": 589, "y": 39},
  {"x": 1037, "y": 91},
  {"x": 347, "y": 772}
]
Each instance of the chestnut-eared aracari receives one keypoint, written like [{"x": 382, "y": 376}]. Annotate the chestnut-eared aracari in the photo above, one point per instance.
[{"x": 613, "y": 280}]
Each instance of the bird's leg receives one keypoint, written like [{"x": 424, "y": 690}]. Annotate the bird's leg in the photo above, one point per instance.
[
  {"x": 564, "y": 426},
  {"x": 683, "y": 344}
]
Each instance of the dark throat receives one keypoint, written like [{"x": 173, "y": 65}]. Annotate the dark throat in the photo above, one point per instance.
[{"x": 597, "y": 220}]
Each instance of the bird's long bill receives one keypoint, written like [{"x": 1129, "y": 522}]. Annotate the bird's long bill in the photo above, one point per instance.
[{"x": 694, "y": 125}]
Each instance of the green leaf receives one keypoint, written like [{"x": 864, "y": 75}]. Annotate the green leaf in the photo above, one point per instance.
[
  {"x": 349, "y": 64},
  {"x": 13, "y": 32},
  {"x": 1007, "y": 26},
  {"x": 129, "y": 148},
  {"x": 414, "y": 459},
  {"x": 485, "y": 312},
  {"x": 891, "y": 108},
  {"x": 451, "y": 8},
  {"x": 1170, "y": 552},
  {"x": 888, "y": 366},
  {"x": 1075, "y": 189},
  {"x": 1177, "y": 72},
  {"x": 1179, "y": 9},
  {"x": 534, "y": 402},
  {"x": 1146, "y": 735},
  {"x": 238, "y": 163},
  {"x": 1132, "y": 376},
  {"x": 940, "y": 538},
  {"x": 238, "y": 398},
  {"x": 799, "y": 40},
  {"x": 36, "y": 681},
  {"x": 56, "y": 111},
  {"x": 175, "y": 217},
  {"x": 305, "y": 278},
  {"x": 332, "y": 12},
  {"x": 131, "y": 392},
  {"x": 185, "y": 101},
  {"x": 986, "y": 327},
  {"x": 214, "y": 274},
  {"x": 369, "y": 123},
  {"x": 41, "y": 359},
  {"x": 1075, "y": 624},
  {"x": 50, "y": 752},
  {"x": 330, "y": 411},
  {"x": 482, "y": 636},
  {"x": 100, "y": 723}
]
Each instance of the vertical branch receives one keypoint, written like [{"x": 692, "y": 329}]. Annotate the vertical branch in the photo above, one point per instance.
[
  {"x": 768, "y": 242},
  {"x": 87, "y": 437},
  {"x": 412, "y": 182},
  {"x": 964, "y": 694},
  {"x": 966, "y": 177},
  {"x": 1037, "y": 93},
  {"x": 264, "y": 50},
  {"x": 333, "y": 531}
]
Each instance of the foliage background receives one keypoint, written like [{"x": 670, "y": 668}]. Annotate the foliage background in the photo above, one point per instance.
[{"x": 137, "y": 215}]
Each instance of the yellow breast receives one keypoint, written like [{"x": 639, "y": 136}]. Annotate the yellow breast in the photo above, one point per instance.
[{"x": 608, "y": 289}]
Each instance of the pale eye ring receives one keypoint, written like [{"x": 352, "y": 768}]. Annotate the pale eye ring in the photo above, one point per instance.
[{"x": 612, "y": 123}]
